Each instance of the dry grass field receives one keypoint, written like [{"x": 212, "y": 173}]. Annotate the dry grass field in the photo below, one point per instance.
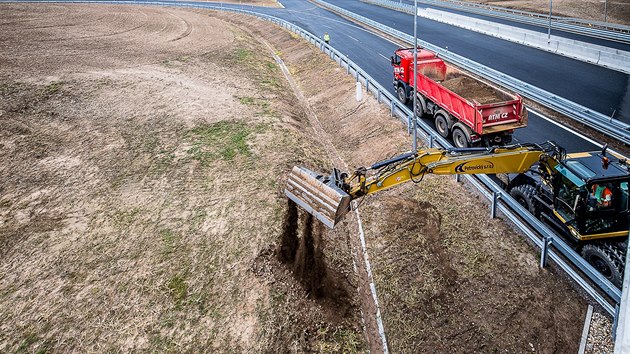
[{"x": 143, "y": 158}]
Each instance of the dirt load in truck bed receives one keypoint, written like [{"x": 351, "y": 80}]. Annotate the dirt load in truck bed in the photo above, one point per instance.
[
  {"x": 472, "y": 89},
  {"x": 141, "y": 204}
]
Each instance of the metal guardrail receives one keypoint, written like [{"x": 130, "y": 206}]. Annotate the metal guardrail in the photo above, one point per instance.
[
  {"x": 595, "y": 120},
  {"x": 534, "y": 229},
  {"x": 595, "y": 29}
]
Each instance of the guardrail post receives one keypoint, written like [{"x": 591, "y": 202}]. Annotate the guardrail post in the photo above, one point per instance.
[
  {"x": 493, "y": 207},
  {"x": 457, "y": 178},
  {"x": 391, "y": 111},
  {"x": 409, "y": 119},
  {"x": 430, "y": 141},
  {"x": 378, "y": 95},
  {"x": 544, "y": 250},
  {"x": 615, "y": 322}
]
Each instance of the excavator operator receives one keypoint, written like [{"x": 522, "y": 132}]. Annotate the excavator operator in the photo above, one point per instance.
[{"x": 601, "y": 196}]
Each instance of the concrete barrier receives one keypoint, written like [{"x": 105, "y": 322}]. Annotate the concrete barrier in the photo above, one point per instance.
[
  {"x": 591, "y": 53},
  {"x": 614, "y": 61}
]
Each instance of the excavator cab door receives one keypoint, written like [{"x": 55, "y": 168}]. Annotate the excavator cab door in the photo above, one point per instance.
[
  {"x": 606, "y": 211},
  {"x": 568, "y": 202}
]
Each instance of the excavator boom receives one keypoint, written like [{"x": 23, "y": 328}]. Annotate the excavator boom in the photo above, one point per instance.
[{"x": 328, "y": 197}]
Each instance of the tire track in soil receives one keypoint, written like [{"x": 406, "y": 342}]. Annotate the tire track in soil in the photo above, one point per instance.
[{"x": 186, "y": 32}]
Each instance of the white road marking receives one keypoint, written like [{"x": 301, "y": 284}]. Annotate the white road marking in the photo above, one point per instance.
[
  {"x": 352, "y": 37},
  {"x": 386, "y": 58},
  {"x": 574, "y": 132}
]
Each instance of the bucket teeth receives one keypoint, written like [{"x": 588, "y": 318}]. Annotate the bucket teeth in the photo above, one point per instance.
[{"x": 325, "y": 201}]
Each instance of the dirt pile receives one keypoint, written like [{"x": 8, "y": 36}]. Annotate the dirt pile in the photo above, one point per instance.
[{"x": 471, "y": 89}]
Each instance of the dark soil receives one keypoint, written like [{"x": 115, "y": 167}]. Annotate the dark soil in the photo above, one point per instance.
[
  {"x": 471, "y": 89},
  {"x": 289, "y": 238},
  {"x": 306, "y": 259},
  {"x": 317, "y": 298}
]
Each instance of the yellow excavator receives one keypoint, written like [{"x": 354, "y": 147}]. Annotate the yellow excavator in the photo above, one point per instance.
[{"x": 583, "y": 195}]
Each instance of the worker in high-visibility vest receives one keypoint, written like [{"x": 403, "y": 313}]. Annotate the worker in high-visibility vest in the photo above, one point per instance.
[
  {"x": 602, "y": 195},
  {"x": 326, "y": 37}
]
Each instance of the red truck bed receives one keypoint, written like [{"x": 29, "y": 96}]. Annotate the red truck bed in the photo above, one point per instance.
[{"x": 483, "y": 107}]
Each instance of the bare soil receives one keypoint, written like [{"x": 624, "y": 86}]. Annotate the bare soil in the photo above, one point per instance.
[
  {"x": 144, "y": 153},
  {"x": 471, "y": 89},
  {"x": 618, "y": 11}
]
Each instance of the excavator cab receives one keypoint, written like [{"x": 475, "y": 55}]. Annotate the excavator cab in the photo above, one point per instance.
[{"x": 592, "y": 196}]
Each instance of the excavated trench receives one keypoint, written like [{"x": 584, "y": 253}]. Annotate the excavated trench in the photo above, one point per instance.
[{"x": 304, "y": 256}]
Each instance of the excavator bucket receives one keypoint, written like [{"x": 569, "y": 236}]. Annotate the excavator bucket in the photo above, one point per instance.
[{"x": 318, "y": 195}]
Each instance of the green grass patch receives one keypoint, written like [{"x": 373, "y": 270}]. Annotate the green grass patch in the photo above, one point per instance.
[
  {"x": 219, "y": 141},
  {"x": 27, "y": 342},
  {"x": 169, "y": 241},
  {"x": 177, "y": 289},
  {"x": 124, "y": 218},
  {"x": 52, "y": 88},
  {"x": 243, "y": 54},
  {"x": 262, "y": 106}
]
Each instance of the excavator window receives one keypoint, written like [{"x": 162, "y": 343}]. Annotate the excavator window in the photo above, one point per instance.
[
  {"x": 568, "y": 198},
  {"x": 623, "y": 201},
  {"x": 606, "y": 200}
]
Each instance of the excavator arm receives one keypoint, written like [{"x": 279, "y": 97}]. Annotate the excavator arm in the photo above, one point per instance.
[{"x": 328, "y": 197}]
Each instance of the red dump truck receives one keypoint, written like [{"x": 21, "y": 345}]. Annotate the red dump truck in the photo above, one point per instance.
[{"x": 472, "y": 111}]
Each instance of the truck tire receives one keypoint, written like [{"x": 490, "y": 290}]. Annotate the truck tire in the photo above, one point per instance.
[
  {"x": 524, "y": 195},
  {"x": 422, "y": 106},
  {"x": 460, "y": 139},
  {"x": 441, "y": 123},
  {"x": 402, "y": 94},
  {"x": 601, "y": 257}
]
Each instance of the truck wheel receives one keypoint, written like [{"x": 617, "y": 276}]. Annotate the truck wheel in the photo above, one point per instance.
[
  {"x": 524, "y": 195},
  {"x": 441, "y": 125},
  {"x": 402, "y": 94},
  {"x": 600, "y": 257},
  {"x": 421, "y": 106},
  {"x": 460, "y": 140}
]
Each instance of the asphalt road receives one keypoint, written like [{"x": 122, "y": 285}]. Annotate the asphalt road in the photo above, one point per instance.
[{"x": 600, "y": 89}]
